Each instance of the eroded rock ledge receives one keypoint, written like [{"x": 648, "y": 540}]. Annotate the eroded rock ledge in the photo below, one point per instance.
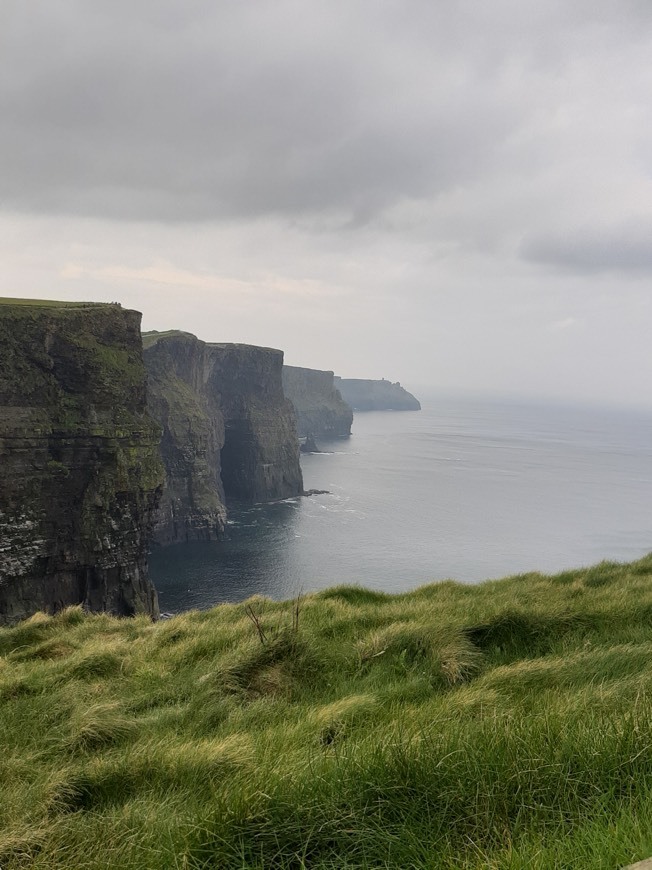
[
  {"x": 229, "y": 433},
  {"x": 80, "y": 473},
  {"x": 321, "y": 410}
]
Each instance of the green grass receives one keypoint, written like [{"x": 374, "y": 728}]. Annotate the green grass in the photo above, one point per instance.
[
  {"x": 506, "y": 725},
  {"x": 150, "y": 338},
  {"x": 50, "y": 303}
]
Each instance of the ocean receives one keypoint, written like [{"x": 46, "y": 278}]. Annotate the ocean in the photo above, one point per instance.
[{"x": 464, "y": 489}]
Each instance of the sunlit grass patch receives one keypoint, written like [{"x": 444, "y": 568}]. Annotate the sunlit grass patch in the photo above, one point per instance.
[
  {"x": 21, "y": 847},
  {"x": 100, "y": 725}
]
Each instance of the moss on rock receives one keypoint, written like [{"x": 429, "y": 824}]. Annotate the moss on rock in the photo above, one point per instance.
[{"x": 81, "y": 473}]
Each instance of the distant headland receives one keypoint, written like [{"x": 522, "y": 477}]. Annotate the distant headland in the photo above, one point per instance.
[{"x": 370, "y": 395}]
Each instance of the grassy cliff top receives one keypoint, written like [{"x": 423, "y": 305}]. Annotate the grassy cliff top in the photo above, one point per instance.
[
  {"x": 9, "y": 302},
  {"x": 238, "y": 345},
  {"x": 307, "y": 373},
  {"x": 505, "y": 725},
  {"x": 150, "y": 338},
  {"x": 33, "y": 308}
]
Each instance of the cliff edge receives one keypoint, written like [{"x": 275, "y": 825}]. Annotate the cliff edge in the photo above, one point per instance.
[
  {"x": 321, "y": 411},
  {"x": 370, "y": 395},
  {"x": 80, "y": 473},
  {"x": 228, "y": 431}
]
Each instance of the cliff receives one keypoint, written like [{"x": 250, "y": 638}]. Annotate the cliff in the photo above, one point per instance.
[
  {"x": 228, "y": 431},
  {"x": 260, "y": 456},
  {"x": 319, "y": 406},
  {"x": 80, "y": 472},
  {"x": 364, "y": 395},
  {"x": 192, "y": 506}
]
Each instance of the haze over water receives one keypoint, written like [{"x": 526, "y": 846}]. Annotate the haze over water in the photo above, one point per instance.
[{"x": 463, "y": 489}]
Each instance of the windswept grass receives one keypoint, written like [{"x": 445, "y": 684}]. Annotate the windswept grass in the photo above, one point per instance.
[
  {"x": 49, "y": 303},
  {"x": 507, "y": 725}
]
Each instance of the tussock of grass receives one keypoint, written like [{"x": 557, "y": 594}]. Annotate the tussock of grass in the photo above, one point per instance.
[
  {"x": 96, "y": 664},
  {"x": 99, "y": 725},
  {"x": 506, "y": 725},
  {"x": 335, "y": 720},
  {"x": 281, "y": 664},
  {"x": 447, "y": 657},
  {"x": 515, "y": 633}
]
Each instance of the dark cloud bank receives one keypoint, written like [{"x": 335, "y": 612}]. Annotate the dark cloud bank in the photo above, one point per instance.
[
  {"x": 203, "y": 110},
  {"x": 461, "y": 178}
]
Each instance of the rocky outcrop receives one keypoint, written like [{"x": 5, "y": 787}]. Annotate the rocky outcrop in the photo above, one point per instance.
[
  {"x": 364, "y": 395},
  {"x": 80, "y": 472},
  {"x": 309, "y": 445},
  {"x": 321, "y": 410},
  {"x": 228, "y": 431}
]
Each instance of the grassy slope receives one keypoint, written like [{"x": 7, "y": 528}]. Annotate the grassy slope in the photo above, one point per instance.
[{"x": 504, "y": 725}]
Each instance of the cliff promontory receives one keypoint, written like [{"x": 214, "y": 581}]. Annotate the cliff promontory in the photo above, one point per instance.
[
  {"x": 365, "y": 395},
  {"x": 321, "y": 410},
  {"x": 80, "y": 473},
  {"x": 228, "y": 431}
]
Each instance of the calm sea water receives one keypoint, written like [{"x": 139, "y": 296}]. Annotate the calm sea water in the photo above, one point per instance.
[{"x": 464, "y": 490}]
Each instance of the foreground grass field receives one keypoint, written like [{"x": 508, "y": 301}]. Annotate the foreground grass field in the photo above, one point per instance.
[{"x": 507, "y": 725}]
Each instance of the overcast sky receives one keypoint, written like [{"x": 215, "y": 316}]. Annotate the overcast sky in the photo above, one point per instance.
[{"x": 445, "y": 192}]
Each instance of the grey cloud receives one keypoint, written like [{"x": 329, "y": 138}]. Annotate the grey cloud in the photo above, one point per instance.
[
  {"x": 202, "y": 110},
  {"x": 626, "y": 247},
  {"x": 350, "y": 180}
]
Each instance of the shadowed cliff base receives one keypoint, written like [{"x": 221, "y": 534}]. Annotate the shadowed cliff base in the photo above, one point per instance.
[
  {"x": 81, "y": 472},
  {"x": 228, "y": 431}
]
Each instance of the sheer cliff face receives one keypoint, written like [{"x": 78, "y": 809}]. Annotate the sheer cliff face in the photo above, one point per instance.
[
  {"x": 80, "y": 473},
  {"x": 260, "y": 456},
  {"x": 320, "y": 409},
  {"x": 365, "y": 395},
  {"x": 228, "y": 431},
  {"x": 192, "y": 506}
]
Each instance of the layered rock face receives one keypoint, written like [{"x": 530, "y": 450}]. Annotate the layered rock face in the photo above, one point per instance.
[
  {"x": 365, "y": 395},
  {"x": 192, "y": 506},
  {"x": 80, "y": 471},
  {"x": 321, "y": 411},
  {"x": 260, "y": 456},
  {"x": 228, "y": 431}
]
